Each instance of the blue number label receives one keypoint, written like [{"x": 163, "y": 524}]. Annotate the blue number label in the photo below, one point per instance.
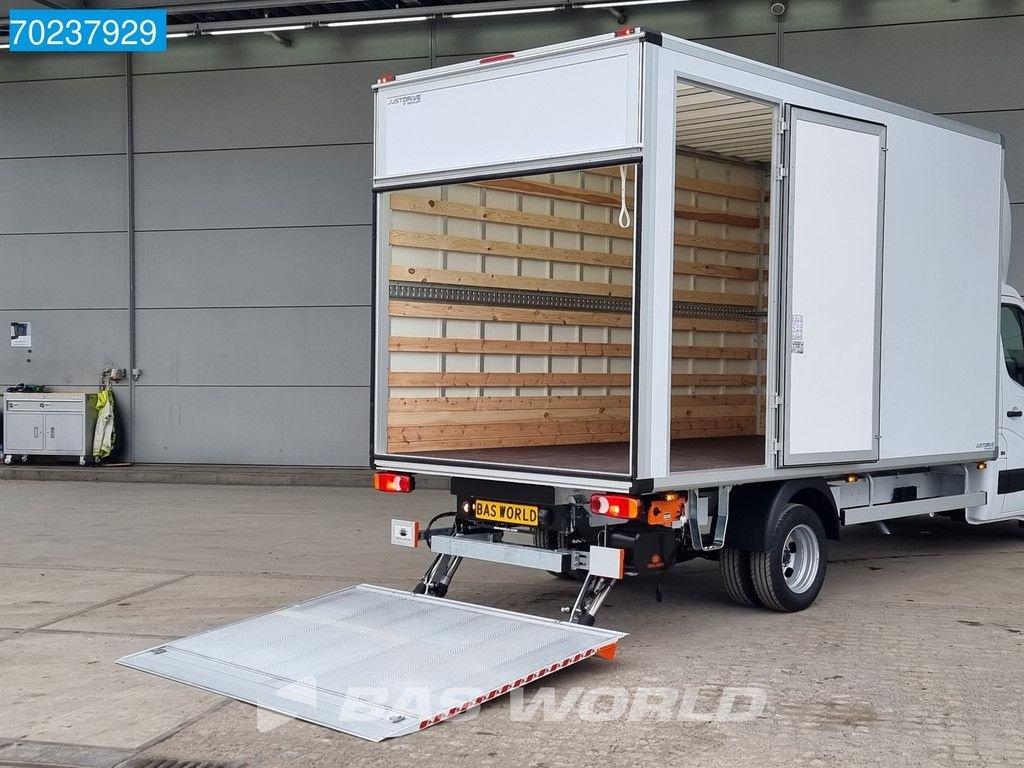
[{"x": 142, "y": 30}]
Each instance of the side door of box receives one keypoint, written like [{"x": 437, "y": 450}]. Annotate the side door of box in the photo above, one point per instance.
[{"x": 834, "y": 201}]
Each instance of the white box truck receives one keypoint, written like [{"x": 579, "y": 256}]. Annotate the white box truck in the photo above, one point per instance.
[
  {"x": 639, "y": 294},
  {"x": 644, "y": 301}
]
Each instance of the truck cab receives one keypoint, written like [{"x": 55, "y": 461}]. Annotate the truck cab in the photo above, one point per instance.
[{"x": 1005, "y": 486}]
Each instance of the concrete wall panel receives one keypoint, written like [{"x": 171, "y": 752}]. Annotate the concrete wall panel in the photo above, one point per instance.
[
  {"x": 285, "y": 187},
  {"x": 69, "y": 347},
  {"x": 304, "y": 266},
  {"x": 940, "y": 67},
  {"x": 254, "y": 425},
  {"x": 62, "y": 194},
  {"x": 62, "y": 117},
  {"x": 82, "y": 271},
  {"x": 284, "y": 347}
]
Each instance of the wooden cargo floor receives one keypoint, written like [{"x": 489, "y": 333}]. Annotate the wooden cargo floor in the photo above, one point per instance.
[{"x": 687, "y": 455}]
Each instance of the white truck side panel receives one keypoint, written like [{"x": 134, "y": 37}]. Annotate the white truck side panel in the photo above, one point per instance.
[
  {"x": 940, "y": 294},
  {"x": 940, "y": 263},
  {"x": 571, "y": 105}
]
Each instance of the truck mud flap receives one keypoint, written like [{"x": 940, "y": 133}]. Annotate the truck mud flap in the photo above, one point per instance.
[{"x": 375, "y": 662}]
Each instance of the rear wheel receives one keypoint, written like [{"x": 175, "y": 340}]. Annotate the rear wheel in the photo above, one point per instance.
[
  {"x": 734, "y": 565},
  {"x": 788, "y": 577}
]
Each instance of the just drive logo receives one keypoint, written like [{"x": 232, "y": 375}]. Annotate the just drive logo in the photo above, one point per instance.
[{"x": 404, "y": 101}]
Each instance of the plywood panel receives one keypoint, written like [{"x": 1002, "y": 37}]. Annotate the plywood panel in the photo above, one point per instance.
[{"x": 477, "y": 375}]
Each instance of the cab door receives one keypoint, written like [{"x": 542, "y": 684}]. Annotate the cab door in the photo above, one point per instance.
[{"x": 1010, "y": 484}]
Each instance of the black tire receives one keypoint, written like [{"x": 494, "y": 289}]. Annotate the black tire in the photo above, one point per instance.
[
  {"x": 734, "y": 565},
  {"x": 792, "y": 587}
]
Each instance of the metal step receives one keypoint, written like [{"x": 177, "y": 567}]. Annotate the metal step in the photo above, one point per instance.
[{"x": 375, "y": 662}]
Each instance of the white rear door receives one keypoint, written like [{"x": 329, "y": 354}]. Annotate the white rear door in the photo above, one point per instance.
[{"x": 834, "y": 208}]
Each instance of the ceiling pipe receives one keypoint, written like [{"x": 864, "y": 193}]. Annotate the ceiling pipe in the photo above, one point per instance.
[
  {"x": 277, "y": 37},
  {"x": 620, "y": 17}
]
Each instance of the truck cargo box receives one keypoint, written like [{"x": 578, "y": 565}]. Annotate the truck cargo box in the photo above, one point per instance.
[{"x": 633, "y": 262}]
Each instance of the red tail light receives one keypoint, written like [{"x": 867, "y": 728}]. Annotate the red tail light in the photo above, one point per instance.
[
  {"x": 389, "y": 482},
  {"x": 624, "y": 507}
]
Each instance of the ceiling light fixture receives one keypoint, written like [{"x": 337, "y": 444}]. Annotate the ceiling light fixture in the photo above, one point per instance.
[
  {"x": 510, "y": 12},
  {"x": 255, "y": 30},
  {"x": 364, "y": 22}
]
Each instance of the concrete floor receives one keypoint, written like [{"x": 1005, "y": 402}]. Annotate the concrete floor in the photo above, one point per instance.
[{"x": 913, "y": 654}]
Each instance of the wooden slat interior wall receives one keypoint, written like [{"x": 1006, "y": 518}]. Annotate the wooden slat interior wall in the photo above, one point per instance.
[
  {"x": 480, "y": 376},
  {"x": 751, "y": 263}
]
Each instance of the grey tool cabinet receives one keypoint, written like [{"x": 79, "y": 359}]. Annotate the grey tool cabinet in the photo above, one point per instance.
[{"x": 48, "y": 423}]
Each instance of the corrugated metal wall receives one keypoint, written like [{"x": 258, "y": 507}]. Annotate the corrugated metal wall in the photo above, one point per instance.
[{"x": 252, "y": 205}]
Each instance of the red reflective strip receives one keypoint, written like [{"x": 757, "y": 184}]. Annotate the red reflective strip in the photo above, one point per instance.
[
  {"x": 479, "y": 700},
  {"x": 499, "y": 57}
]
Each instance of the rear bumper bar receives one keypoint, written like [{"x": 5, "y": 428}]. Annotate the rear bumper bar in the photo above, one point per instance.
[{"x": 481, "y": 547}]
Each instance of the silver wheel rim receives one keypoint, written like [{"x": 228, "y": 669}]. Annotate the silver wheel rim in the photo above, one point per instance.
[{"x": 800, "y": 556}]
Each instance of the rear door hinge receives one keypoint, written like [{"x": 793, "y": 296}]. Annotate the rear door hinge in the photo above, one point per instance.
[
  {"x": 783, "y": 125},
  {"x": 776, "y": 400},
  {"x": 781, "y": 173}
]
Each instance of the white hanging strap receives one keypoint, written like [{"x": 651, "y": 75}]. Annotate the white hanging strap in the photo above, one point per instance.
[{"x": 623, "y": 211}]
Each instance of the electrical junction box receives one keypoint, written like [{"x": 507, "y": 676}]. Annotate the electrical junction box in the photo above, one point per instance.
[{"x": 405, "y": 533}]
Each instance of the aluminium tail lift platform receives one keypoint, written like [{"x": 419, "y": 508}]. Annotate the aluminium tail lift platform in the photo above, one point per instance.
[{"x": 375, "y": 662}]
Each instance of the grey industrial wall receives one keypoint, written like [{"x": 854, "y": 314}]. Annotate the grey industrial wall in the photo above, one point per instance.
[{"x": 249, "y": 199}]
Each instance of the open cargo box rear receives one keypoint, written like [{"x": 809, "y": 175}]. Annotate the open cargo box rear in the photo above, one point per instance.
[{"x": 629, "y": 262}]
